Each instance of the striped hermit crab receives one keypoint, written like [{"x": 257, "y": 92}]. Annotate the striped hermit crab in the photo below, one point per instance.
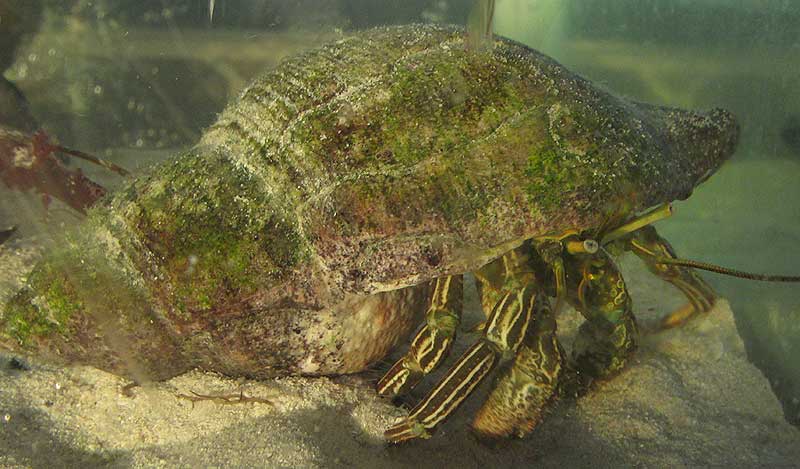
[{"x": 340, "y": 200}]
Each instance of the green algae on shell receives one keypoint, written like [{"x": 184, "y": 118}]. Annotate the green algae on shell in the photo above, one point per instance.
[{"x": 299, "y": 234}]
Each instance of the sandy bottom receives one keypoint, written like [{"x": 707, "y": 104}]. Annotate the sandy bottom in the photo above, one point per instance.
[{"x": 689, "y": 398}]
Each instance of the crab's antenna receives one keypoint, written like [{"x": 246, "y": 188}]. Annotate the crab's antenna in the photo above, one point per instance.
[{"x": 727, "y": 271}]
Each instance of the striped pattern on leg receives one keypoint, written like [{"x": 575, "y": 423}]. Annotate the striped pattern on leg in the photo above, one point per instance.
[
  {"x": 505, "y": 330},
  {"x": 515, "y": 405},
  {"x": 432, "y": 343},
  {"x": 471, "y": 368}
]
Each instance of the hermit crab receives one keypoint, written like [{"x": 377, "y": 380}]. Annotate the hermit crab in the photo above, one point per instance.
[{"x": 339, "y": 202}]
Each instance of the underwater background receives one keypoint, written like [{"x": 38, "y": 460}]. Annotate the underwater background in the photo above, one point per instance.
[{"x": 136, "y": 81}]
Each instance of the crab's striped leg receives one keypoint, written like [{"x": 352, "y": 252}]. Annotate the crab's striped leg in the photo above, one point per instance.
[
  {"x": 515, "y": 405},
  {"x": 649, "y": 246},
  {"x": 502, "y": 336},
  {"x": 432, "y": 343}
]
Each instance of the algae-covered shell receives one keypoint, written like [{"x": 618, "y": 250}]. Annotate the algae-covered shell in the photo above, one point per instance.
[{"x": 286, "y": 239}]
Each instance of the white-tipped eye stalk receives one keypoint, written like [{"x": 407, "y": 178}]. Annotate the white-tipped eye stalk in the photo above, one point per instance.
[{"x": 586, "y": 246}]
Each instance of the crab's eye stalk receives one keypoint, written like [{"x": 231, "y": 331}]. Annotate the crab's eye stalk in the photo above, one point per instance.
[{"x": 583, "y": 246}]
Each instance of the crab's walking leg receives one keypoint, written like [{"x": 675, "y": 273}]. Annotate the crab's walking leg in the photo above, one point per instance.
[
  {"x": 649, "y": 246},
  {"x": 605, "y": 341},
  {"x": 432, "y": 343},
  {"x": 515, "y": 405},
  {"x": 528, "y": 384},
  {"x": 504, "y": 331}
]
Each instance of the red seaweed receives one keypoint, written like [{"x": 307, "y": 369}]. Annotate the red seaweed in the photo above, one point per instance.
[{"x": 28, "y": 163}]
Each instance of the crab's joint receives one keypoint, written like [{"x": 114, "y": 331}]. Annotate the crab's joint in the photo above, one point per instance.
[
  {"x": 652, "y": 249},
  {"x": 432, "y": 343},
  {"x": 477, "y": 328},
  {"x": 552, "y": 253},
  {"x": 406, "y": 430},
  {"x": 504, "y": 332}
]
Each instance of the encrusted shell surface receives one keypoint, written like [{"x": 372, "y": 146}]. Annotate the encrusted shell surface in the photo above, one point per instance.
[
  {"x": 402, "y": 155},
  {"x": 368, "y": 166}
]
